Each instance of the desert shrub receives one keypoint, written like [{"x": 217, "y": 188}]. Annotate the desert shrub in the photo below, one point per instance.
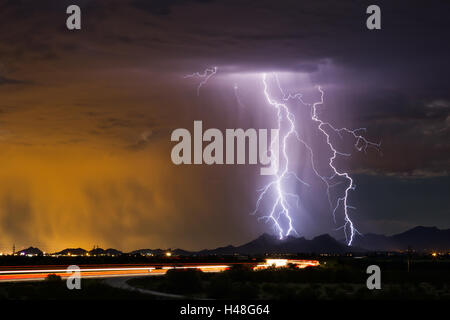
[
  {"x": 245, "y": 291},
  {"x": 220, "y": 287},
  {"x": 184, "y": 280},
  {"x": 53, "y": 278}
]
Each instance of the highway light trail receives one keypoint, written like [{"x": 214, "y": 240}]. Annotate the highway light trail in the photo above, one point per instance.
[
  {"x": 35, "y": 273},
  {"x": 23, "y": 273}
]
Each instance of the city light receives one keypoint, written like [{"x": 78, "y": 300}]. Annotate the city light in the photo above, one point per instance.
[{"x": 282, "y": 263}]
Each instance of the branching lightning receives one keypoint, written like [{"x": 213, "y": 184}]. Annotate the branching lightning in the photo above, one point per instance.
[
  {"x": 204, "y": 76},
  {"x": 281, "y": 199},
  {"x": 361, "y": 144},
  {"x": 281, "y": 203}
]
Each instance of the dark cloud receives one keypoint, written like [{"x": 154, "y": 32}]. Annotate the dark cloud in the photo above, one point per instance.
[
  {"x": 162, "y": 7},
  {"x": 5, "y": 81},
  {"x": 111, "y": 123}
]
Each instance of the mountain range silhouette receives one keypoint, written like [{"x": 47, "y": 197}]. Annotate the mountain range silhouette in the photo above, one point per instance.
[{"x": 419, "y": 239}]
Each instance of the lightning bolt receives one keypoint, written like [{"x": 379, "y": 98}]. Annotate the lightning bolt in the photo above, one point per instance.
[
  {"x": 204, "y": 76},
  {"x": 236, "y": 95},
  {"x": 361, "y": 144},
  {"x": 280, "y": 205},
  {"x": 281, "y": 201}
]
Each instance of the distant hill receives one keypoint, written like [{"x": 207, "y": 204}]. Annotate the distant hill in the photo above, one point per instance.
[
  {"x": 72, "y": 251},
  {"x": 161, "y": 252},
  {"x": 30, "y": 251},
  {"x": 419, "y": 239},
  {"x": 149, "y": 252},
  {"x": 107, "y": 252},
  {"x": 181, "y": 252},
  {"x": 270, "y": 244}
]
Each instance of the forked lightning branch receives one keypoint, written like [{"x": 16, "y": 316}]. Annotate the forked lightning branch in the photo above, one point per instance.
[{"x": 273, "y": 155}]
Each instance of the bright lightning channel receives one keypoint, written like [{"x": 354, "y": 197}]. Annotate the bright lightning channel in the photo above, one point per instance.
[
  {"x": 281, "y": 205},
  {"x": 361, "y": 144}
]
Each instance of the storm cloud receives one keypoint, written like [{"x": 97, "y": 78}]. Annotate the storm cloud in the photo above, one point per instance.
[{"x": 87, "y": 115}]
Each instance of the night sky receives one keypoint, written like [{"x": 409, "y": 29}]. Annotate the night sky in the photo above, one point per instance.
[{"x": 86, "y": 116}]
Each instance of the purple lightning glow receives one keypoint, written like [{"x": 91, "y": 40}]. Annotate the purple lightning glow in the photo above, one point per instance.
[
  {"x": 280, "y": 207},
  {"x": 236, "y": 94},
  {"x": 281, "y": 203},
  {"x": 361, "y": 143}
]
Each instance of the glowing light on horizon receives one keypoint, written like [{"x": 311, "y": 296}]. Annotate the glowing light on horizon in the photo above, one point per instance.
[{"x": 283, "y": 263}]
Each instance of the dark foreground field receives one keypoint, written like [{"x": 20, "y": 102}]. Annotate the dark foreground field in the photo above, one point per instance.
[
  {"x": 338, "y": 278},
  {"x": 56, "y": 289},
  {"x": 335, "y": 279}
]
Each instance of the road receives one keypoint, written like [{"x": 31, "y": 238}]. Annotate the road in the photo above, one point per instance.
[
  {"x": 121, "y": 283},
  {"x": 36, "y": 273}
]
